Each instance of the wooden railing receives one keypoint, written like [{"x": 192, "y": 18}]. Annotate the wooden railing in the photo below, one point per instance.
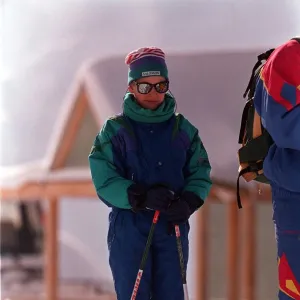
[
  {"x": 240, "y": 252},
  {"x": 236, "y": 250}
]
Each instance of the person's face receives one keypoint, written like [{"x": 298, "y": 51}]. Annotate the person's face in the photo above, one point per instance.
[{"x": 157, "y": 85}]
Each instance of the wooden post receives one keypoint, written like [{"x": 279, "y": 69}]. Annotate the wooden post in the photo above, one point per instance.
[
  {"x": 249, "y": 249},
  {"x": 51, "y": 250},
  {"x": 202, "y": 241},
  {"x": 232, "y": 252}
]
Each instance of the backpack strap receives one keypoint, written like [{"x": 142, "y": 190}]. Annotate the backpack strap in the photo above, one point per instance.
[
  {"x": 244, "y": 122},
  {"x": 257, "y": 131},
  {"x": 257, "y": 169},
  {"x": 251, "y": 151},
  {"x": 249, "y": 93}
]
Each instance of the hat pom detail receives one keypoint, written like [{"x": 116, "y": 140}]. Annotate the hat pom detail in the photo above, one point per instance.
[{"x": 143, "y": 52}]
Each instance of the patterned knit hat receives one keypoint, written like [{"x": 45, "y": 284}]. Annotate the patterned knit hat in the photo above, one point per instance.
[{"x": 144, "y": 62}]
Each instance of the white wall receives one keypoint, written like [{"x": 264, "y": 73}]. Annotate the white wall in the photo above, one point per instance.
[{"x": 83, "y": 231}]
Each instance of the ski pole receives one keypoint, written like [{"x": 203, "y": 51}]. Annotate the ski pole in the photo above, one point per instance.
[
  {"x": 181, "y": 261},
  {"x": 144, "y": 258}
]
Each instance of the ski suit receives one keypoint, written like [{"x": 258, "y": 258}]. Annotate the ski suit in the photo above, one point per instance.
[
  {"x": 148, "y": 147},
  {"x": 277, "y": 101}
]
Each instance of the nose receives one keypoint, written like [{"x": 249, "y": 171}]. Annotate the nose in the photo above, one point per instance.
[{"x": 154, "y": 92}]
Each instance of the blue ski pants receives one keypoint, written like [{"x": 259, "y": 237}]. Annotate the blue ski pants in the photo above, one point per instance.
[
  {"x": 286, "y": 209},
  {"x": 127, "y": 237}
]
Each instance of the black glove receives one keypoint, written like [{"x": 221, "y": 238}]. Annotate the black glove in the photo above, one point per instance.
[
  {"x": 159, "y": 198},
  {"x": 137, "y": 197},
  {"x": 181, "y": 209}
]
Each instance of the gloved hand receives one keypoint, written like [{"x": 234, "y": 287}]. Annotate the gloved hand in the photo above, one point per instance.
[
  {"x": 137, "y": 196},
  {"x": 159, "y": 198},
  {"x": 181, "y": 209}
]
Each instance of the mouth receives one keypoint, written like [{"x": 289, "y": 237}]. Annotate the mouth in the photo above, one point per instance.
[{"x": 152, "y": 101}]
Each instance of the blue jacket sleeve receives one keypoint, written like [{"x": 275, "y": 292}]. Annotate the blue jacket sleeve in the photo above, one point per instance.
[
  {"x": 277, "y": 101},
  {"x": 278, "y": 104},
  {"x": 281, "y": 121}
]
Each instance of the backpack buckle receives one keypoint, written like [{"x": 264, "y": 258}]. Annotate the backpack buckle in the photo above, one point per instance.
[{"x": 256, "y": 167}]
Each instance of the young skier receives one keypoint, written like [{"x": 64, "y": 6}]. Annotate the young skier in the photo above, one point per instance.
[
  {"x": 277, "y": 101},
  {"x": 144, "y": 160}
]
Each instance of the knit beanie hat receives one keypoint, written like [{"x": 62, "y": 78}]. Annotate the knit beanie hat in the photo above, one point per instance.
[{"x": 144, "y": 62}]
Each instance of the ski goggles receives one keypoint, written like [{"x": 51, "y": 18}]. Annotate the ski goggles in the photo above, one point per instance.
[{"x": 146, "y": 88}]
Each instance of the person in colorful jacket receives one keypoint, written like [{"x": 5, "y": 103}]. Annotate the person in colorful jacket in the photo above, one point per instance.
[
  {"x": 146, "y": 159},
  {"x": 277, "y": 101}
]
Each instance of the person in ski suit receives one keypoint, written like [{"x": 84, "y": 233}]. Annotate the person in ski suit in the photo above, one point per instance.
[
  {"x": 143, "y": 160},
  {"x": 277, "y": 101}
]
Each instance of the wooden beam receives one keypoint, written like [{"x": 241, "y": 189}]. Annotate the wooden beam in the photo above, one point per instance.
[
  {"x": 202, "y": 251},
  {"x": 249, "y": 250},
  {"x": 232, "y": 252},
  {"x": 84, "y": 188},
  {"x": 71, "y": 189},
  {"x": 31, "y": 190},
  {"x": 51, "y": 250},
  {"x": 35, "y": 190},
  {"x": 70, "y": 131},
  {"x": 8, "y": 194},
  {"x": 94, "y": 112}
]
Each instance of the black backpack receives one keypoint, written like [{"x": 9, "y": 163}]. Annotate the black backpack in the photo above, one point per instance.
[{"x": 253, "y": 137}]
